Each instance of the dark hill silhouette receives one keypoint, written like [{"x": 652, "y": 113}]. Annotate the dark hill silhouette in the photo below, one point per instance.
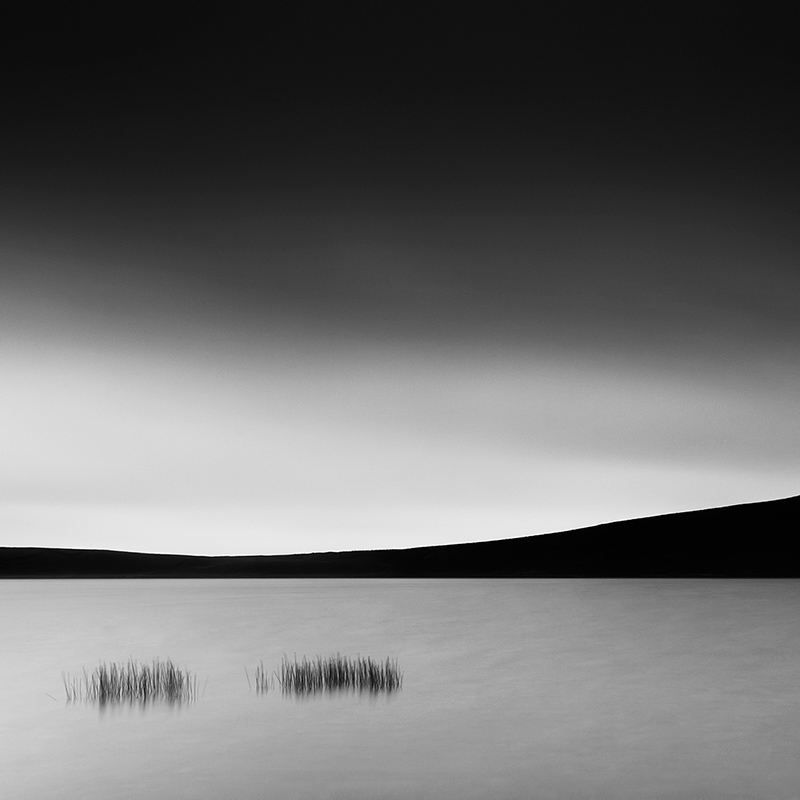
[{"x": 749, "y": 540}]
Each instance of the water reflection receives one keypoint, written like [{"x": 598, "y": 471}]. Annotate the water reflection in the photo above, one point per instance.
[
  {"x": 119, "y": 705},
  {"x": 371, "y": 697}
]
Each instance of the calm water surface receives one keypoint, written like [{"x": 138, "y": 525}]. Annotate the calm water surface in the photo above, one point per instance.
[{"x": 513, "y": 689}]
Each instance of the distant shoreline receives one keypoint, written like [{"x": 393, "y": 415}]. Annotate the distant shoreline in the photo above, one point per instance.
[{"x": 748, "y": 541}]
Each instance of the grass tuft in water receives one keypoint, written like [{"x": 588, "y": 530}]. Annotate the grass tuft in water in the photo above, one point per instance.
[
  {"x": 264, "y": 682},
  {"x": 334, "y": 673},
  {"x": 159, "y": 681}
]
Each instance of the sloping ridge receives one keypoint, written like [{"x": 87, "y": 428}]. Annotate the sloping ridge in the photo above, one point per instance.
[{"x": 749, "y": 540}]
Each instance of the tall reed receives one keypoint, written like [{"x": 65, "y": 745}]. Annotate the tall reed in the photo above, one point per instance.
[
  {"x": 264, "y": 682},
  {"x": 133, "y": 682},
  {"x": 336, "y": 673}
]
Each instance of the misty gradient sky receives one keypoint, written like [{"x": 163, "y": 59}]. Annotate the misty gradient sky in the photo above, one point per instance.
[{"x": 327, "y": 276}]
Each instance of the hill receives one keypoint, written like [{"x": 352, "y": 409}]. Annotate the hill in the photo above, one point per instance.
[{"x": 749, "y": 540}]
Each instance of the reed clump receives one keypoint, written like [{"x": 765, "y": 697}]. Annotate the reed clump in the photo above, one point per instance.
[
  {"x": 338, "y": 673},
  {"x": 133, "y": 682}
]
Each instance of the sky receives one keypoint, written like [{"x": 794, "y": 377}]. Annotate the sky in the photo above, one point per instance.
[{"x": 318, "y": 276}]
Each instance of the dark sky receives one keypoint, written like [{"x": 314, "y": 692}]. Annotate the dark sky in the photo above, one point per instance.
[{"x": 300, "y": 276}]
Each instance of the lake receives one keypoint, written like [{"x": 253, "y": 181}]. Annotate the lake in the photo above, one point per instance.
[{"x": 513, "y": 689}]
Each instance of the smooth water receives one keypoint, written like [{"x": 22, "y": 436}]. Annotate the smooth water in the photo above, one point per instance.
[{"x": 513, "y": 689}]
